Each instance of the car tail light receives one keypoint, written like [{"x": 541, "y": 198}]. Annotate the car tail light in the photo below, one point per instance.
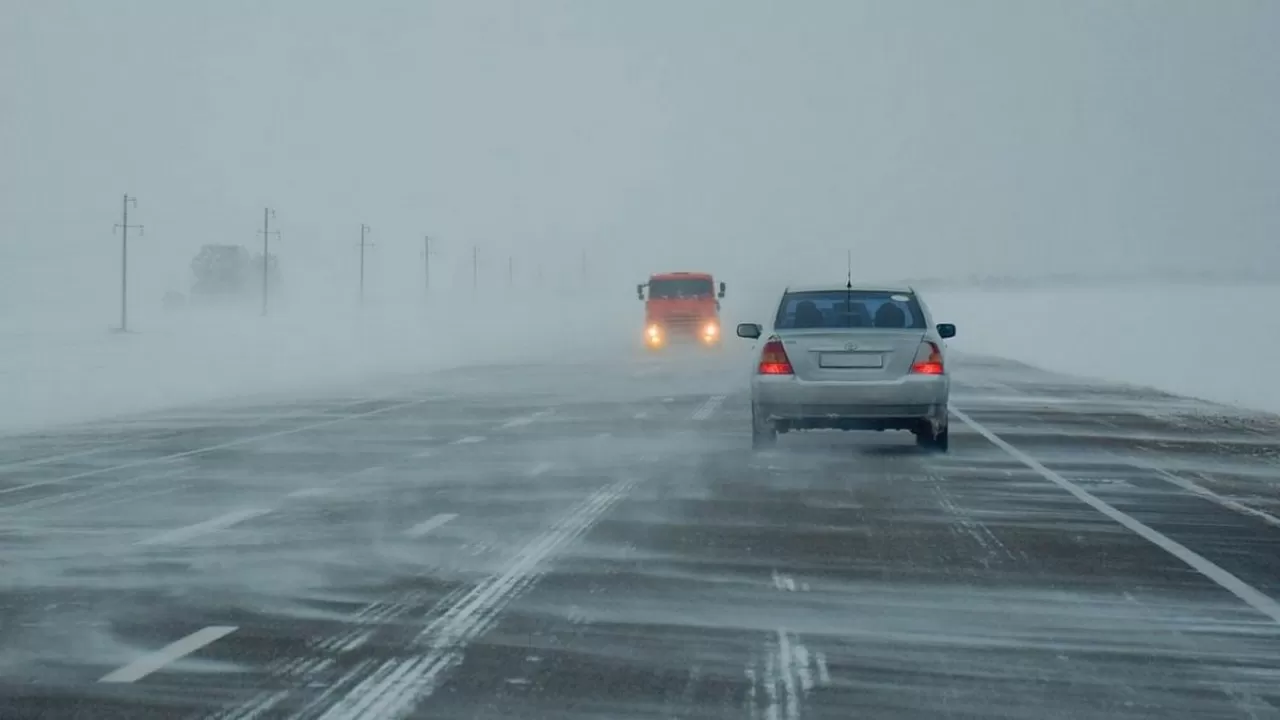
[
  {"x": 774, "y": 360},
  {"x": 928, "y": 360}
]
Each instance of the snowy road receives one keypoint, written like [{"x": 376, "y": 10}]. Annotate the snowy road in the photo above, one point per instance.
[{"x": 517, "y": 542}]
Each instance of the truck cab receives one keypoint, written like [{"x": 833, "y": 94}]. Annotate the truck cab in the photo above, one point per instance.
[{"x": 681, "y": 307}]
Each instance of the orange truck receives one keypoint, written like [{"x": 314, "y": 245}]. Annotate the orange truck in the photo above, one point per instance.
[{"x": 681, "y": 307}]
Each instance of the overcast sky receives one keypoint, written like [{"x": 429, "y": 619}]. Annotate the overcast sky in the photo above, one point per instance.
[{"x": 737, "y": 136}]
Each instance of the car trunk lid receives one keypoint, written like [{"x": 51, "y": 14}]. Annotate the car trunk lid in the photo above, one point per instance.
[{"x": 851, "y": 354}]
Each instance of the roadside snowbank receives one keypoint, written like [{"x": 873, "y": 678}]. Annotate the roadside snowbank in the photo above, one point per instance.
[{"x": 1210, "y": 342}]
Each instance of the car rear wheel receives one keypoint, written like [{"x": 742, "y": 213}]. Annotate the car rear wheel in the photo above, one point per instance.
[
  {"x": 942, "y": 441},
  {"x": 763, "y": 433},
  {"x": 930, "y": 439}
]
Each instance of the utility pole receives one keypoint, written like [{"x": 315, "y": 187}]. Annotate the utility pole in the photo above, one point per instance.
[
  {"x": 267, "y": 213},
  {"x": 364, "y": 229},
  {"x": 124, "y": 261},
  {"x": 426, "y": 262}
]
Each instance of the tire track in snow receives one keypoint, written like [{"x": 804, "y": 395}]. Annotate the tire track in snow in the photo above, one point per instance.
[
  {"x": 708, "y": 408},
  {"x": 789, "y": 671},
  {"x": 461, "y": 616}
]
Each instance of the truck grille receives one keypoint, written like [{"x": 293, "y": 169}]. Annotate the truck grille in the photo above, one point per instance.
[{"x": 682, "y": 321}]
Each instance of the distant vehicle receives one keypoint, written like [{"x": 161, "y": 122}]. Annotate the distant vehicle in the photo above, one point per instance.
[
  {"x": 851, "y": 358},
  {"x": 681, "y": 307},
  {"x": 231, "y": 271}
]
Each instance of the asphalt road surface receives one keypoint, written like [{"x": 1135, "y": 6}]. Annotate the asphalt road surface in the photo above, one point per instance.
[{"x": 598, "y": 541}]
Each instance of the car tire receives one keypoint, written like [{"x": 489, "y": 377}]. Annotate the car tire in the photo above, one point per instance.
[
  {"x": 930, "y": 439},
  {"x": 924, "y": 433},
  {"x": 763, "y": 434}
]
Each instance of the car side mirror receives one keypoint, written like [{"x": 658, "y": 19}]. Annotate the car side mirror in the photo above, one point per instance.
[
  {"x": 750, "y": 331},
  {"x": 640, "y": 291},
  {"x": 721, "y": 289},
  {"x": 946, "y": 330}
]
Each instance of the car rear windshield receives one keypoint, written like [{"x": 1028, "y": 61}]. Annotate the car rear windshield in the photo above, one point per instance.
[
  {"x": 680, "y": 288},
  {"x": 851, "y": 308}
]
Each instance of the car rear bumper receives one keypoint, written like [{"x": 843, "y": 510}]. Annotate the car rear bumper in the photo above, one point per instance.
[{"x": 823, "y": 404}]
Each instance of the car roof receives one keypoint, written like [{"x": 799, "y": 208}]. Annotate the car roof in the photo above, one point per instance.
[{"x": 877, "y": 287}]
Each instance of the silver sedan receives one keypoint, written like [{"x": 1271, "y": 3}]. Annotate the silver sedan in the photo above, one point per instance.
[{"x": 851, "y": 358}]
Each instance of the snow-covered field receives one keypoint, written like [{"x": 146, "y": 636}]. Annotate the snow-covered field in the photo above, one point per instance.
[{"x": 1209, "y": 342}]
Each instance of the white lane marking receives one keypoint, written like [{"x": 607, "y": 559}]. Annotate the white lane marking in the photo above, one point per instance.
[
  {"x": 541, "y": 468},
  {"x": 152, "y": 662},
  {"x": 468, "y": 440},
  {"x": 526, "y": 420},
  {"x": 399, "y": 684},
  {"x": 310, "y": 492},
  {"x": 640, "y": 415},
  {"x": 1210, "y": 495},
  {"x": 424, "y": 453},
  {"x": 183, "y": 534},
  {"x": 430, "y": 524},
  {"x": 211, "y": 448},
  {"x": 1199, "y": 563},
  {"x": 707, "y": 408}
]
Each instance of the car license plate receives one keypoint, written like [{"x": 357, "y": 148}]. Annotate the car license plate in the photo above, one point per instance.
[{"x": 851, "y": 360}]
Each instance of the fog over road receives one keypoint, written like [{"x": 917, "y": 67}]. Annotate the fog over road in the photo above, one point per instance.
[{"x": 597, "y": 540}]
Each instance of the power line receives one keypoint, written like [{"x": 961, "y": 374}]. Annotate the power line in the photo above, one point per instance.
[{"x": 124, "y": 260}]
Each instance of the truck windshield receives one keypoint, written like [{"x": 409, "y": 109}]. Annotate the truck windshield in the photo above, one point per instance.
[{"x": 681, "y": 288}]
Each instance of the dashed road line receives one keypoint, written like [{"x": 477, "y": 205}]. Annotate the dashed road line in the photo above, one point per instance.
[
  {"x": 430, "y": 524},
  {"x": 189, "y": 532},
  {"x": 541, "y": 468},
  {"x": 468, "y": 440},
  {"x": 152, "y": 662},
  {"x": 310, "y": 492},
  {"x": 1232, "y": 584},
  {"x": 526, "y": 420},
  {"x": 160, "y": 436}
]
